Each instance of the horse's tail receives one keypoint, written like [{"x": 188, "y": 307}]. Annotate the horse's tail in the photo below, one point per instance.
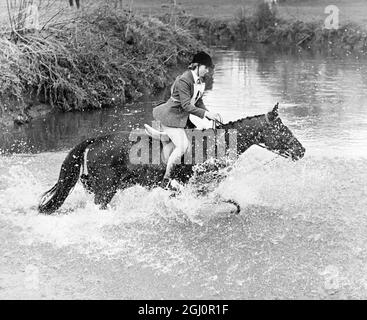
[{"x": 52, "y": 199}]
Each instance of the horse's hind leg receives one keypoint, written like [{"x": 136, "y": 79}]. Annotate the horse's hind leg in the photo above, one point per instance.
[
  {"x": 103, "y": 190},
  {"x": 85, "y": 180},
  {"x": 104, "y": 198},
  {"x": 106, "y": 188}
]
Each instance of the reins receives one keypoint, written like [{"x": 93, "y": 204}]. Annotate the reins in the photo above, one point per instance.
[
  {"x": 220, "y": 122},
  {"x": 278, "y": 154},
  {"x": 217, "y": 122}
]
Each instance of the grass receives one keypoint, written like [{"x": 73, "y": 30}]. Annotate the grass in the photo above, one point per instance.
[
  {"x": 351, "y": 11},
  {"x": 304, "y": 10}
]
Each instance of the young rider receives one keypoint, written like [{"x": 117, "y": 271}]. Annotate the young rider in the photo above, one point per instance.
[{"x": 186, "y": 99}]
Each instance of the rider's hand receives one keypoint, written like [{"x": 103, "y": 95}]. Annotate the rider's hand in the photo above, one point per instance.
[{"x": 212, "y": 116}]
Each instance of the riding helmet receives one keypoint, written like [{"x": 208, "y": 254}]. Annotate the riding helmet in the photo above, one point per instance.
[{"x": 204, "y": 59}]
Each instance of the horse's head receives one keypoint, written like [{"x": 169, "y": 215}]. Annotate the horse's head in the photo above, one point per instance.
[{"x": 277, "y": 137}]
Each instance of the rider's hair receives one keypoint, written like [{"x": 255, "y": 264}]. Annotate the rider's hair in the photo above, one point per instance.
[{"x": 192, "y": 66}]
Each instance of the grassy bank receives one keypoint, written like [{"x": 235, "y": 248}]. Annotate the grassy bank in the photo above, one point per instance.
[
  {"x": 105, "y": 55},
  {"x": 268, "y": 26},
  {"x": 294, "y": 22},
  {"x": 103, "y": 58}
]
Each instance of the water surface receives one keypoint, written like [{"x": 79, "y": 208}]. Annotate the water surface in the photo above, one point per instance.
[{"x": 301, "y": 232}]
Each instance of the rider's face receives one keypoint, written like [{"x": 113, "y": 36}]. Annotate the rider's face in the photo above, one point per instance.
[{"x": 203, "y": 70}]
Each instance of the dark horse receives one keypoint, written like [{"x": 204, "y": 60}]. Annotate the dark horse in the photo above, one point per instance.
[{"x": 108, "y": 166}]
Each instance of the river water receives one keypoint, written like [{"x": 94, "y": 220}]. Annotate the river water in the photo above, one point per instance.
[{"x": 302, "y": 231}]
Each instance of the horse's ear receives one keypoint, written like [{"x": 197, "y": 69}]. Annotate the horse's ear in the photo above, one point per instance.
[
  {"x": 275, "y": 110},
  {"x": 273, "y": 114}
]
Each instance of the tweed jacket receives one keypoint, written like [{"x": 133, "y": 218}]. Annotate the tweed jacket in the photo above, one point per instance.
[{"x": 175, "y": 112}]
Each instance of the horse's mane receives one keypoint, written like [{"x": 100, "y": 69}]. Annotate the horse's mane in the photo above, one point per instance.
[{"x": 242, "y": 120}]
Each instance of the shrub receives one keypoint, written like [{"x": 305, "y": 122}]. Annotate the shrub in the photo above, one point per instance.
[
  {"x": 264, "y": 16},
  {"x": 100, "y": 59}
]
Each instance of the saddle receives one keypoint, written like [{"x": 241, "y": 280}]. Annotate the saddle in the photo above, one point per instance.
[{"x": 155, "y": 134}]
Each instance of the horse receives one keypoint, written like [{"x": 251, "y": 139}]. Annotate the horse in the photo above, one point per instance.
[{"x": 103, "y": 164}]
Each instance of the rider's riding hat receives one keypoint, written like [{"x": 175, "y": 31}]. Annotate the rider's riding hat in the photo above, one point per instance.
[{"x": 204, "y": 59}]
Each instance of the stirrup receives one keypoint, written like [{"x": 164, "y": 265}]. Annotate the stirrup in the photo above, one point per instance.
[
  {"x": 164, "y": 183},
  {"x": 170, "y": 184}
]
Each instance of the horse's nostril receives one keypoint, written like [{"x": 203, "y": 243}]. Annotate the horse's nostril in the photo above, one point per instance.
[
  {"x": 301, "y": 154},
  {"x": 298, "y": 153}
]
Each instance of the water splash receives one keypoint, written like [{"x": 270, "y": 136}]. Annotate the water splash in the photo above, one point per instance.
[{"x": 184, "y": 233}]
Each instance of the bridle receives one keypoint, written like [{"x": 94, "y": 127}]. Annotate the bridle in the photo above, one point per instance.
[
  {"x": 291, "y": 139},
  {"x": 284, "y": 155}
]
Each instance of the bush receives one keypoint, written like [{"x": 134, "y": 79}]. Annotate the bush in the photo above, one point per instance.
[
  {"x": 264, "y": 16},
  {"x": 101, "y": 59}
]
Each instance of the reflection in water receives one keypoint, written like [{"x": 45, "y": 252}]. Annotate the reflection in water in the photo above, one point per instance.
[
  {"x": 323, "y": 99},
  {"x": 301, "y": 232},
  {"x": 59, "y": 131}
]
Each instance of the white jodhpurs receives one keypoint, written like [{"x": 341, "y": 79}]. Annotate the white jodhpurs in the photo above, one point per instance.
[{"x": 181, "y": 143}]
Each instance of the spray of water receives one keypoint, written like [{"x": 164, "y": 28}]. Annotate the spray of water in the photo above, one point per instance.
[{"x": 278, "y": 199}]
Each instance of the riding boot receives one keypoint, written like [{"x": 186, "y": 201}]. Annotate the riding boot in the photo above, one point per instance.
[
  {"x": 170, "y": 184},
  {"x": 164, "y": 183}
]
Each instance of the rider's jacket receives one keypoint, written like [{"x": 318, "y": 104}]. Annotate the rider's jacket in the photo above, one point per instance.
[{"x": 186, "y": 99}]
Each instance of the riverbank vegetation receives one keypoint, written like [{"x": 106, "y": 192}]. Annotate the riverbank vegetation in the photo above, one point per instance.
[
  {"x": 102, "y": 58},
  {"x": 107, "y": 54},
  {"x": 265, "y": 25}
]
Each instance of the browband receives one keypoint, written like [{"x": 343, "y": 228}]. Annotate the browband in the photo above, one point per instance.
[{"x": 267, "y": 118}]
